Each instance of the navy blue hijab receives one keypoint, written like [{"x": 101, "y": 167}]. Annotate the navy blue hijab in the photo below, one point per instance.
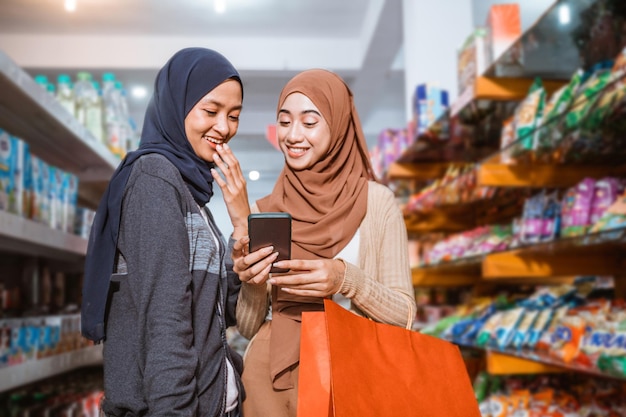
[{"x": 187, "y": 77}]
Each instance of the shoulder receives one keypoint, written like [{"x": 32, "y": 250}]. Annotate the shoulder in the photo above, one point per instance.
[
  {"x": 379, "y": 193},
  {"x": 381, "y": 201},
  {"x": 156, "y": 165}
]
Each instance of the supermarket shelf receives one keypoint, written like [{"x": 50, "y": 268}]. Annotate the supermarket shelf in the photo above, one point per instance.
[
  {"x": 448, "y": 274},
  {"x": 30, "y": 113},
  {"x": 31, "y": 371},
  {"x": 23, "y": 236},
  {"x": 592, "y": 254},
  {"x": 465, "y": 215},
  {"x": 524, "y": 361},
  {"x": 499, "y": 89},
  {"x": 506, "y": 364},
  {"x": 554, "y": 262},
  {"x": 541, "y": 175},
  {"x": 422, "y": 172},
  {"x": 437, "y": 221},
  {"x": 515, "y": 362}
]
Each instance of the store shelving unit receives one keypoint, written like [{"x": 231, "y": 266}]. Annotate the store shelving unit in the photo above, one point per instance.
[
  {"x": 30, "y": 113},
  {"x": 34, "y": 370},
  {"x": 552, "y": 52}
]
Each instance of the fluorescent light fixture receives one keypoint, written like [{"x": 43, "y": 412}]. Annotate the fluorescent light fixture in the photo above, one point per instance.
[
  {"x": 70, "y": 5},
  {"x": 254, "y": 175},
  {"x": 139, "y": 92},
  {"x": 220, "y": 6},
  {"x": 564, "y": 14}
]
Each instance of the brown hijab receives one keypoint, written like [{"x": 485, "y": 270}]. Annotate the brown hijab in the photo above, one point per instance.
[{"x": 327, "y": 203}]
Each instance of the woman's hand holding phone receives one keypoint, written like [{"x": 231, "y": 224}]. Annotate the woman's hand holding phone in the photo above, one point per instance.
[
  {"x": 253, "y": 267},
  {"x": 311, "y": 278}
]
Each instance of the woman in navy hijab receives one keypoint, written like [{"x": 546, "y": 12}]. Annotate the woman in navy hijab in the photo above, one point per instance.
[{"x": 159, "y": 288}]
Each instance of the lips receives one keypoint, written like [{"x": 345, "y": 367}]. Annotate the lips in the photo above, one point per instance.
[
  {"x": 296, "y": 152},
  {"x": 213, "y": 141}
]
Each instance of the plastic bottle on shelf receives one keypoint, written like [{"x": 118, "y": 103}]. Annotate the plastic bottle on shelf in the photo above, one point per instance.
[
  {"x": 112, "y": 114},
  {"x": 51, "y": 89},
  {"x": 41, "y": 80},
  {"x": 89, "y": 104},
  {"x": 130, "y": 138},
  {"x": 65, "y": 93}
]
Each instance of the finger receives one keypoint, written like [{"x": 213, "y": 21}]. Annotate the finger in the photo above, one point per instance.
[
  {"x": 220, "y": 163},
  {"x": 261, "y": 277},
  {"x": 249, "y": 262},
  {"x": 257, "y": 272},
  {"x": 241, "y": 244},
  {"x": 228, "y": 157}
]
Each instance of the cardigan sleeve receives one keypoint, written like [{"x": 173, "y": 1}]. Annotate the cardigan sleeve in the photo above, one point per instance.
[
  {"x": 381, "y": 287},
  {"x": 252, "y": 305}
]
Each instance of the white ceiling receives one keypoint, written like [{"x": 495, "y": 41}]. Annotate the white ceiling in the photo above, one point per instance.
[{"x": 267, "y": 40}]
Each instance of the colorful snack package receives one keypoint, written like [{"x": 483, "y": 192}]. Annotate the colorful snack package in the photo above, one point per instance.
[
  {"x": 567, "y": 337},
  {"x": 585, "y": 98},
  {"x": 507, "y": 138},
  {"x": 528, "y": 115},
  {"x": 489, "y": 329},
  {"x": 576, "y": 208},
  {"x": 522, "y": 331},
  {"x": 606, "y": 103},
  {"x": 550, "y": 134},
  {"x": 506, "y": 326},
  {"x": 544, "y": 342}
]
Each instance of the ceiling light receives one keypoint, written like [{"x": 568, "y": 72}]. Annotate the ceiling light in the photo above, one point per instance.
[
  {"x": 254, "y": 175},
  {"x": 564, "y": 14},
  {"x": 220, "y": 6},
  {"x": 70, "y": 5},
  {"x": 139, "y": 92}
]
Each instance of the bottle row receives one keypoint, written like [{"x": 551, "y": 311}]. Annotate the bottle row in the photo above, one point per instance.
[{"x": 102, "y": 107}]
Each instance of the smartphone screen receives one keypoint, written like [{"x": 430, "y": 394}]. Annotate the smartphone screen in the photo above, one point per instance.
[{"x": 271, "y": 229}]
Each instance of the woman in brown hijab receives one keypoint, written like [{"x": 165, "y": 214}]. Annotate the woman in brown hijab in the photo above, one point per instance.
[{"x": 349, "y": 240}]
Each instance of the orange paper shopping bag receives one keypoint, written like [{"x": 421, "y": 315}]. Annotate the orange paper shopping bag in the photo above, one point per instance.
[{"x": 354, "y": 367}]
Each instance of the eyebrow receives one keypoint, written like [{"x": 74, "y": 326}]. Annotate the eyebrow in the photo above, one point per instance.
[
  {"x": 219, "y": 104},
  {"x": 303, "y": 112}
]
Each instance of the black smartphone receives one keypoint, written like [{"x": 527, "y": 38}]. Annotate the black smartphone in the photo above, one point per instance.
[{"x": 271, "y": 229}]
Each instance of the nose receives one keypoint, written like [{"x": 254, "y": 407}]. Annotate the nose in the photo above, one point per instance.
[
  {"x": 293, "y": 133},
  {"x": 221, "y": 125}
]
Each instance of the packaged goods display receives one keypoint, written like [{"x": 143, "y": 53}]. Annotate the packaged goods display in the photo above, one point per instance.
[
  {"x": 592, "y": 206},
  {"x": 31, "y": 188},
  {"x": 549, "y": 396},
  {"x": 558, "y": 154},
  {"x": 572, "y": 324}
]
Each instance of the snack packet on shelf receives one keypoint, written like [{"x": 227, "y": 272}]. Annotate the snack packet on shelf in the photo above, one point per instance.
[
  {"x": 586, "y": 96},
  {"x": 614, "y": 217},
  {"x": 527, "y": 118},
  {"x": 545, "y": 340},
  {"x": 506, "y": 327},
  {"x": 522, "y": 331},
  {"x": 576, "y": 208},
  {"x": 550, "y": 133}
]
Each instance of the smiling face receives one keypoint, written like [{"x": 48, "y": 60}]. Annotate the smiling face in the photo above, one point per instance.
[
  {"x": 303, "y": 133},
  {"x": 214, "y": 119}
]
